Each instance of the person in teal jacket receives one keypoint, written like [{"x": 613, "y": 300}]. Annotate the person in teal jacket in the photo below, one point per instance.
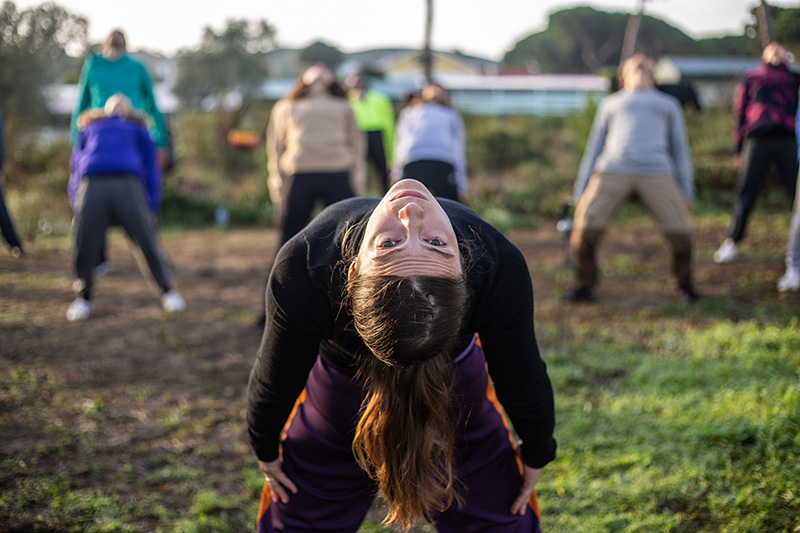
[
  {"x": 111, "y": 72},
  {"x": 375, "y": 116},
  {"x": 114, "y": 71}
]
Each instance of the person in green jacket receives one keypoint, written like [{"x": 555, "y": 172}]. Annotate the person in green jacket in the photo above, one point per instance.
[
  {"x": 106, "y": 74},
  {"x": 375, "y": 116},
  {"x": 114, "y": 71}
]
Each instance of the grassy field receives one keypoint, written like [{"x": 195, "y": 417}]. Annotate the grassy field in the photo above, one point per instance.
[{"x": 670, "y": 417}]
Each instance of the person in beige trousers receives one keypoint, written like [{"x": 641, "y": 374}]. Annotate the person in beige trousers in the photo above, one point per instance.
[{"x": 638, "y": 148}]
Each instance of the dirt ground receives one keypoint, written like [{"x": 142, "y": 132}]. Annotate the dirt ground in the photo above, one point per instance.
[{"x": 142, "y": 364}]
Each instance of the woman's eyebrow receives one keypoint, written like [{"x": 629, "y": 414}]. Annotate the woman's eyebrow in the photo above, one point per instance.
[{"x": 387, "y": 256}]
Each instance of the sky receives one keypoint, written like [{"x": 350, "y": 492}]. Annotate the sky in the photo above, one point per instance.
[{"x": 478, "y": 27}]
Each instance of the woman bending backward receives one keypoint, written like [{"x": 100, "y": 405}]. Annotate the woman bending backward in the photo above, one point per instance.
[{"x": 369, "y": 376}]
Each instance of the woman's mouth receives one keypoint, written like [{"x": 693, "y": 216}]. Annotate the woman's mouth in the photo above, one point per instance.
[{"x": 412, "y": 194}]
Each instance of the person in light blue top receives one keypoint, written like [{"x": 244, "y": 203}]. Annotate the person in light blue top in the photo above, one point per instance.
[
  {"x": 790, "y": 281},
  {"x": 430, "y": 145},
  {"x": 638, "y": 148}
]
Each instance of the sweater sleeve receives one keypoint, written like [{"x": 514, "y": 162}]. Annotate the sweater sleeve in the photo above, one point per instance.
[
  {"x": 276, "y": 146},
  {"x": 594, "y": 147},
  {"x": 151, "y": 173},
  {"x": 679, "y": 151},
  {"x": 740, "y": 101},
  {"x": 84, "y": 98},
  {"x": 460, "y": 153},
  {"x": 797, "y": 127},
  {"x": 289, "y": 347},
  {"x": 151, "y": 107},
  {"x": 515, "y": 365},
  {"x": 387, "y": 112}
]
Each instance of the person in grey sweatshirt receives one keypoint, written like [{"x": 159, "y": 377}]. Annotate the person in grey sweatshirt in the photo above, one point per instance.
[
  {"x": 638, "y": 147},
  {"x": 430, "y": 145}
]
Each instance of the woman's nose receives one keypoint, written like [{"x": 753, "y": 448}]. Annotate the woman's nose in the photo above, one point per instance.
[{"x": 410, "y": 212}]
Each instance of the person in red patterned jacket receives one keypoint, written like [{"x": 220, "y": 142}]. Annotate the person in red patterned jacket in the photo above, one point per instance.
[{"x": 765, "y": 106}]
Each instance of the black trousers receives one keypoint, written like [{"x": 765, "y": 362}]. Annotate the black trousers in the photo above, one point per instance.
[
  {"x": 115, "y": 200},
  {"x": 7, "y": 226},
  {"x": 303, "y": 193},
  {"x": 439, "y": 177},
  {"x": 377, "y": 156},
  {"x": 757, "y": 153}
]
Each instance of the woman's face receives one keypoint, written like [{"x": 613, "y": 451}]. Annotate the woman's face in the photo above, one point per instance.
[{"x": 408, "y": 234}]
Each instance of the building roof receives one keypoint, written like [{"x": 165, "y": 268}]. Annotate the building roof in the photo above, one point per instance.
[{"x": 708, "y": 67}]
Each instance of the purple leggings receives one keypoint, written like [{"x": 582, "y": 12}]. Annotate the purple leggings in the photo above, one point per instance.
[{"x": 334, "y": 494}]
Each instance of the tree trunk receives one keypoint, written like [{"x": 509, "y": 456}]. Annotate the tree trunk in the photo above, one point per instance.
[
  {"x": 427, "y": 59},
  {"x": 631, "y": 34},
  {"x": 765, "y": 24}
]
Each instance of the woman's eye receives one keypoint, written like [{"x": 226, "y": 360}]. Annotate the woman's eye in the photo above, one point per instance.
[
  {"x": 388, "y": 243},
  {"x": 435, "y": 242}
]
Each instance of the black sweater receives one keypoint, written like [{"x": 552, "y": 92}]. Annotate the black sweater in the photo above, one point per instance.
[{"x": 305, "y": 318}]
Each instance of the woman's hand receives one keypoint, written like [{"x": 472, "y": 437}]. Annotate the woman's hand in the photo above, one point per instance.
[
  {"x": 278, "y": 481},
  {"x": 530, "y": 477}
]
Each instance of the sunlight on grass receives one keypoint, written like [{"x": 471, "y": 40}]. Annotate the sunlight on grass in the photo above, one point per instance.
[{"x": 704, "y": 436}]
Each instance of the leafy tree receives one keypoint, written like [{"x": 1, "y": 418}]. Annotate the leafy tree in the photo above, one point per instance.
[
  {"x": 33, "y": 45},
  {"x": 729, "y": 45},
  {"x": 786, "y": 24},
  {"x": 585, "y": 40},
  {"x": 321, "y": 52},
  {"x": 231, "y": 59}
]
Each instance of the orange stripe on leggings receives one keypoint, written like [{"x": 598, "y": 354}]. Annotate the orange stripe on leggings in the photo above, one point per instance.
[
  {"x": 492, "y": 396},
  {"x": 266, "y": 494}
]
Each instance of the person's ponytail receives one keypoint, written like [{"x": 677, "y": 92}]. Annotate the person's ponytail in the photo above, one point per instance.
[
  {"x": 405, "y": 435},
  {"x": 405, "y": 438}
]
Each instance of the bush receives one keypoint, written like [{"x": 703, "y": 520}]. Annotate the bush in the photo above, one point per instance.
[{"x": 521, "y": 169}]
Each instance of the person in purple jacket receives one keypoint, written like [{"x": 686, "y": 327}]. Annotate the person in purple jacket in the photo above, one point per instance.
[
  {"x": 765, "y": 106},
  {"x": 114, "y": 180}
]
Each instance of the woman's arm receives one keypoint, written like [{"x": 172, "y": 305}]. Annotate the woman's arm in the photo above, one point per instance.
[
  {"x": 296, "y": 317},
  {"x": 504, "y": 319}
]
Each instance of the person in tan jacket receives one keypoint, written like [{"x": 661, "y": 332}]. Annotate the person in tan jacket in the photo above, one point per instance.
[{"x": 315, "y": 149}]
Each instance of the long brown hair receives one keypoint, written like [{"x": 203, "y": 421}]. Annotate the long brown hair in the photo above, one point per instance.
[
  {"x": 301, "y": 88},
  {"x": 406, "y": 431}
]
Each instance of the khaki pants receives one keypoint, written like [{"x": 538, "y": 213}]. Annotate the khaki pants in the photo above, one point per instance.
[{"x": 605, "y": 194}]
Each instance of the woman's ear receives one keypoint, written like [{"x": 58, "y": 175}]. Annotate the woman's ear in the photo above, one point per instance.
[{"x": 352, "y": 269}]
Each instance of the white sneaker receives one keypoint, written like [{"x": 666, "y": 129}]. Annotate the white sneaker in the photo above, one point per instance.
[
  {"x": 789, "y": 281},
  {"x": 727, "y": 252},
  {"x": 173, "y": 302},
  {"x": 103, "y": 268},
  {"x": 79, "y": 310}
]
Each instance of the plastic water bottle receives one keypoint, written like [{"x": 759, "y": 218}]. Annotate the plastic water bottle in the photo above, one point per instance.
[{"x": 221, "y": 217}]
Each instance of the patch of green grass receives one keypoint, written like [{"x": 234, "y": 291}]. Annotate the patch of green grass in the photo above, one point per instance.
[{"x": 694, "y": 430}]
